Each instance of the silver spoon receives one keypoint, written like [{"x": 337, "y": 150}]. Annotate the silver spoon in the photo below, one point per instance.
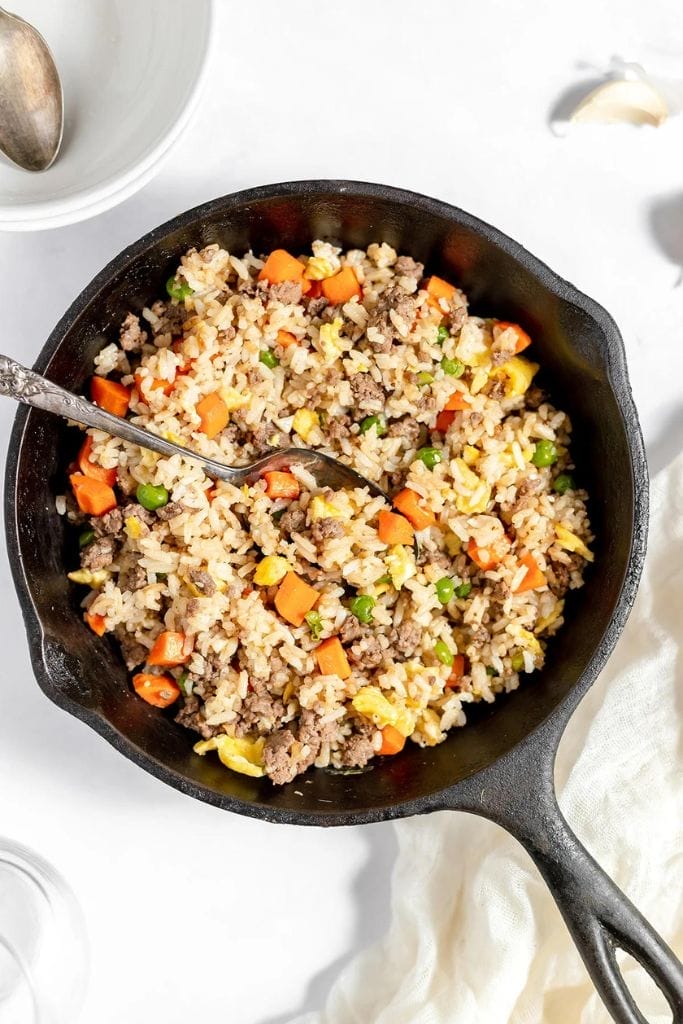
[
  {"x": 31, "y": 101},
  {"x": 30, "y": 388}
]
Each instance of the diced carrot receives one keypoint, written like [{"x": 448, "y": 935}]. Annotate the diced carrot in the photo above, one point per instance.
[
  {"x": 156, "y": 384},
  {"x": 392, "y": 741},
  {"x": 438, "y": 289},
  {"x": 342, "y": 287},
  {"x": 534, "y": 578},
  {"x": 408, "y": 502},
  {"x": 94, "y": 497},
  {"x": 96, "y": 623},
  {"x": 485, "y": 557},
  {"x": 394, "y": 529},
  {"x": 214, "y": 414},
  {"x": 457, "y": 670},
  {"x": 168, "y": 650},
  {"x": 285, "y": 339},
  {"x": 523, "y": 339},
  {"x": 160, "y": 691},
  {"x": 92, "y": 469},
  {"x": 331, "y": 658},
  {"x": 295, "y": 598},
  {"x": 281, "y": 485},
  {"x": 210, "y": 492},
  {"x": 316, "y": 289},
  {"x": 457, "y": 402},
  {"x": 281, "y": 266},
  {"x": 110, "y": 395},
  {"x": 444, "y": 420}
]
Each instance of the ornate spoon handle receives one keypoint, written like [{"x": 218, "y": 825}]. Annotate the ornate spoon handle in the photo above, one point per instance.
[
  {"x": 17, "y": 382},
  {"x": 30, "y": 388}
]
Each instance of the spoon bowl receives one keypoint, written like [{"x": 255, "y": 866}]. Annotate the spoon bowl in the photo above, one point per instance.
[
  {"x": 24, "y": 385},
  {"x": 31, "y": 100}
]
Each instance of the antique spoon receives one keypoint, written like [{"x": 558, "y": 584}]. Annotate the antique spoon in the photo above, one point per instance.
[
  {"x": 28, "y": 387},
  {"x": 31, "y": 101}
]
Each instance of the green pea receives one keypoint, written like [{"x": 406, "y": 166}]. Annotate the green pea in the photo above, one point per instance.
[
  {"x": 445, "y": 588},
  {"x": 444, "y": 653},
  {"x": 424, "y": 378},
  {"x": 315, "y": 623},
  {"x": 452, "y": 367},
  {"x": 430, "y": 456},
  {"x": 178, "y": 289},
  {"x": 463, "y": 590},
  {"x": 545, "y": 453},
  {"x": 490, "y": 671},
  {"x": 441, "y": 335},
  {"x": 185, "y": 686},
  {"x": 86, "y": 537},
  {"x": 378, "y": 422},
  {"x": 151, "y": 497},
  {"x": 564, "y": 482},
  {"x": 384, "y": 579},
  {"x": 268, "y": 359},
  {"x": 361, "y": 607},
  {"x": 517, "y": 662}
]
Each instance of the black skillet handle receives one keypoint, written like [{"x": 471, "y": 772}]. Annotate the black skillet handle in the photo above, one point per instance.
[{"x": 518, "y": 793}]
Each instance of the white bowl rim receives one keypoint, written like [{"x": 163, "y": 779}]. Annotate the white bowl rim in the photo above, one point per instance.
[{"x": 38, "y": 215}]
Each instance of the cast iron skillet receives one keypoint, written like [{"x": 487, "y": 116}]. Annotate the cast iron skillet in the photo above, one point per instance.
[{"x": 501, "y": 765}]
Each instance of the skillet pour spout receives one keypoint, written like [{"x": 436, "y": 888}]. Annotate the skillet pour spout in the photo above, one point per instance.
[{"x": 500, "y": 765}]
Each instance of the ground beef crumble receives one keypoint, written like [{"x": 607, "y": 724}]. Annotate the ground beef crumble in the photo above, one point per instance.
[
  {"x": 405, "y": 639},
  {"x": 131, "y": 335},
  {"x": 326, "y": 529},
  {"x": 98, "y": 554},
  {"x": 293, "y": 519},
  {"x": 368, "y": 395},
  {"x": 287, "y": 292}
]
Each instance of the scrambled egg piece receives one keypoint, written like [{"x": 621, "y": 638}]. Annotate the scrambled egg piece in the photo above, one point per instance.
[
  {"x": 318, "y": 268},
  {"x": 400, "y": 563},
  {"x": 133, "y": 527},
  {"x": 321, "y": 509},
  {"x": 517, "y": 374},
  {"x": 244, "y": 756},
  {"x": 233, "y": 398},
  {"x": 304, "y": 422},
  {"x": 547, "y": 620},
  {"x": 470, "y": 454},
  {"x": 570, "y": 542},
  {"x": 94, "y": 578},
  {"x": 526, "y": 639},
  {"x": 479, "y": 491},
  {"x": 372, "y": 703},
  {"x": 271, "y": 570},
  {"x": 331, "y": 343}
]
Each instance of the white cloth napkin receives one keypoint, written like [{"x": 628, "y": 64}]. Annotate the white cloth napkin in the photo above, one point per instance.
[{"x": 475, "y": 937}]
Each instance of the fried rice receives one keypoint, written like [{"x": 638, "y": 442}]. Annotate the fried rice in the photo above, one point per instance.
[{"x": 286, "y": 624}]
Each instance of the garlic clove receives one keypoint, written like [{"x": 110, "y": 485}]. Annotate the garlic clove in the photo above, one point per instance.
[{"x": 622, "y": 102}]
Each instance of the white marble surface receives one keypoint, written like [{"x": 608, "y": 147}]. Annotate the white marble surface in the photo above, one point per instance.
[{"x": 192, "y": 912}]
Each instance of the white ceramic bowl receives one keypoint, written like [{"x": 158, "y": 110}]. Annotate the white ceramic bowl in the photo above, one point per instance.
[{"x": 132, "y": 71}]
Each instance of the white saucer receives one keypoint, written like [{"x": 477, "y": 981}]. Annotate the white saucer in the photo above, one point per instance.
[{"x": 132, "y": 73}]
